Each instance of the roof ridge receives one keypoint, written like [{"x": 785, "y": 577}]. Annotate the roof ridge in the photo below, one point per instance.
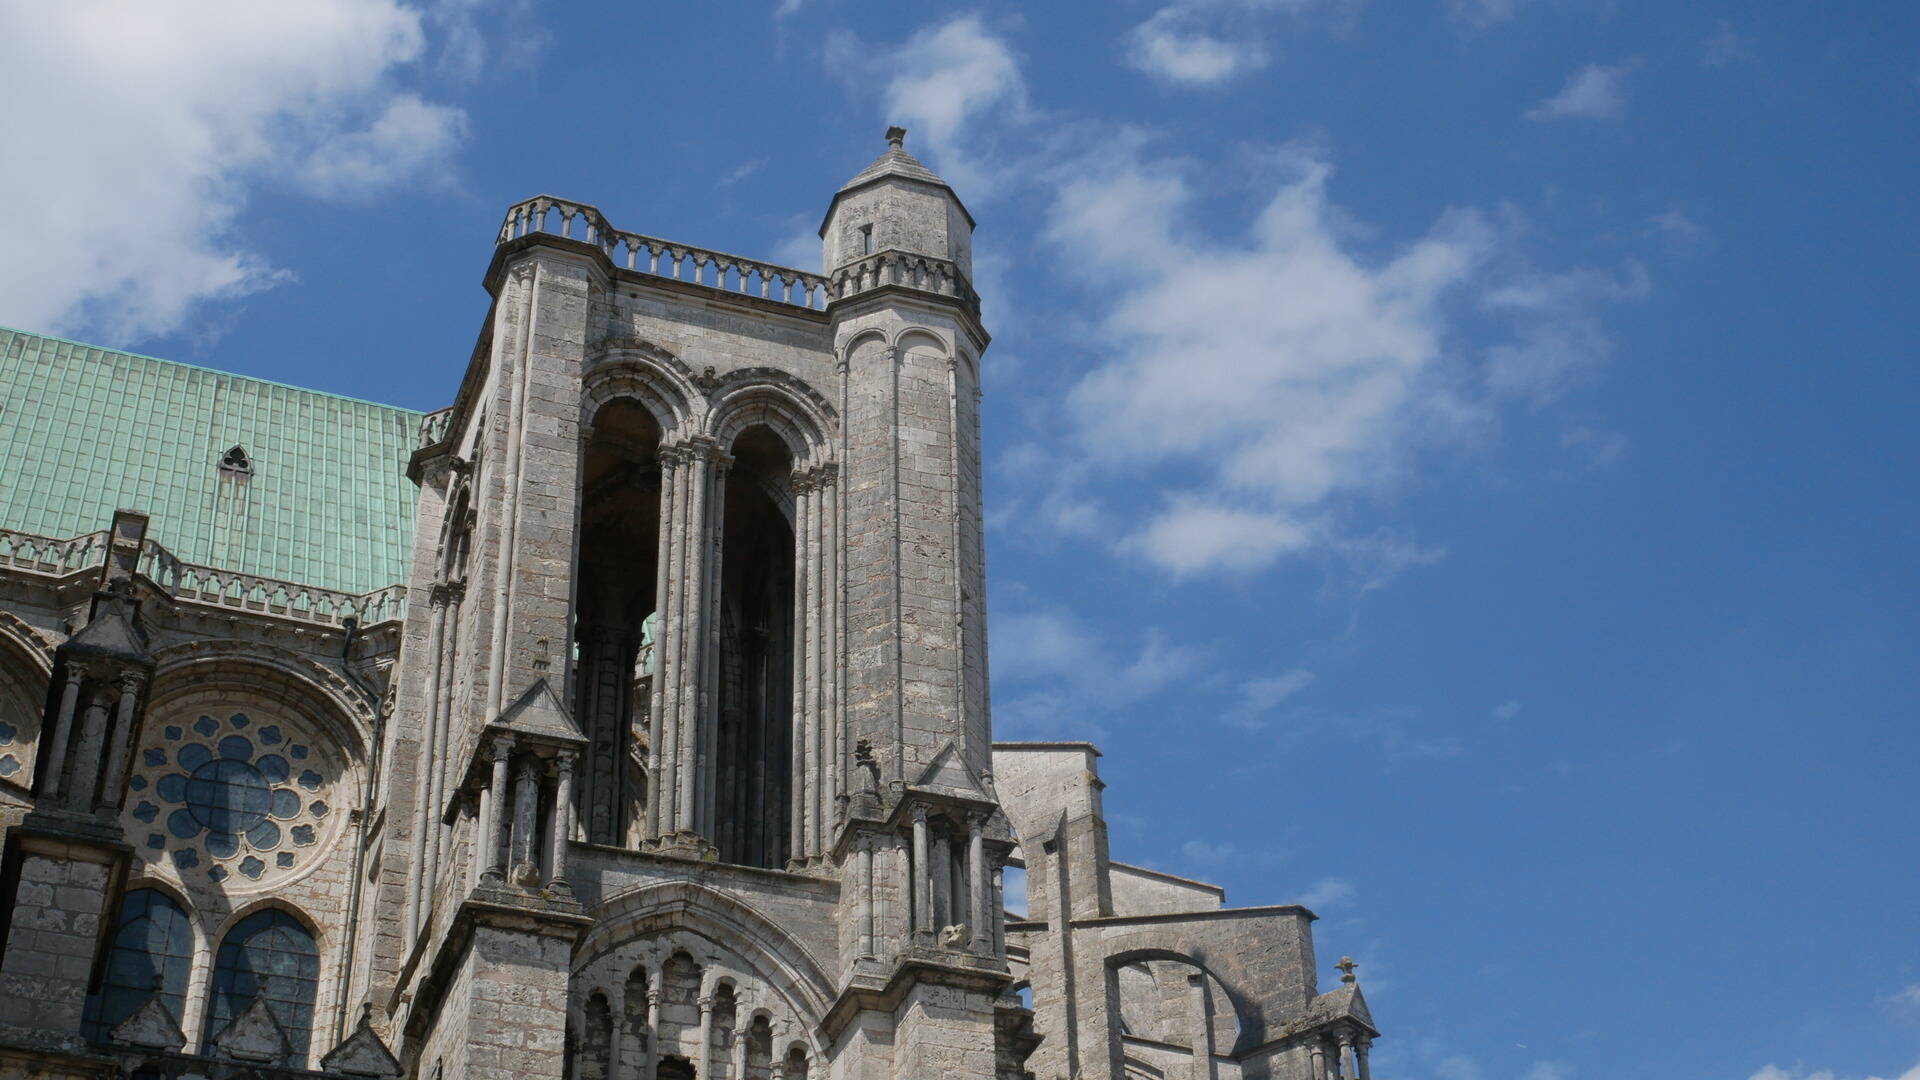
[{"x": 213, "y": 370}]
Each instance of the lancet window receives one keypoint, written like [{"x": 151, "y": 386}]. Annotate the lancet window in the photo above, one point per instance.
[
  {"x": 270, "y": 955},
  {"x": 152, "y": 953}
]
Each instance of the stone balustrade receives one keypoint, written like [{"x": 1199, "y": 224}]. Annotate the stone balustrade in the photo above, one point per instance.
[
  {"x": 664, "y": 258},
  {"x": 45, "y": 555},
  {"x": 907, "y": 269},
  {"x": 206, "y": 585}
]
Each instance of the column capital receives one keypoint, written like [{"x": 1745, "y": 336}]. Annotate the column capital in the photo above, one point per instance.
[
  {"x": 919, "y": 815},
  {"x": 132, "y": 681},
  {"x": 502, "y": 746}
]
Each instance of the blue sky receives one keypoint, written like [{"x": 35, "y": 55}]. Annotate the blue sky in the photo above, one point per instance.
[{"x": 1454, "y": 456}]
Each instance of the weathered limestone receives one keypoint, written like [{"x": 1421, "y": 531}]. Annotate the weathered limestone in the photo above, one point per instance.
[{"x": 676, "y": 761}]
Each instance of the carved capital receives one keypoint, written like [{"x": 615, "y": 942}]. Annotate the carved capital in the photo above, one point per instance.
[
  {"x": 131, "y": 683},
  {"x": 919, "y": 815}
]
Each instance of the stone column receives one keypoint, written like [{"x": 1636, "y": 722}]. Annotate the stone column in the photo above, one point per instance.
[
  {"x": 922, "y": 880},
  {"x": 525, "y": 847},
  {"x": 942, "y": 884},
  {"x": 999, "y": 912},
  {"x": 62, "y": 724},
  {"x": 977, "y": 882},
  {"x": 806, "y": 834},
  {"x": 1317, "y": 1050},
  {"x": 562, "y": 821},
  {"x": 666, "y": 664},
  {"x": 650, "y": 1068},
  {"x": 691, "y": 748},
  {"x": 130, "y": 686},
  {"x": 706, "y": 1032},
  {"x": 1202, "y": 1031},
  {"x": 86, "y": 758},
  {"x": 493, "y": 798},
  {"x": 1360, "y": 1048},
  {"x": 863, "y": 855},
  {"x": 430, "y": 754},
  {"x": 1344, "y": 1048},
  {"x": 707, "y": 702}
]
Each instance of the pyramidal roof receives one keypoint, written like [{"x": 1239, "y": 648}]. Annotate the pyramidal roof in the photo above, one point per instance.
[{"x": 896, "y": 163}]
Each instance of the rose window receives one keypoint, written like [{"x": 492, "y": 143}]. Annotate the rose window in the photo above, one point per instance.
[{"x": 230, "y": 796}]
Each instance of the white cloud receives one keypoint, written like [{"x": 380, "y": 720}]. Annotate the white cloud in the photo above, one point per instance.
[
  {"x": 1558, "y": 341},
  {"x": 941, "y": 82},
  {"x": 1727, "y": 46},
  {"x": 1207, "y": 853},
  {"x": 1594, "y": 92},
  {"x": 1549, "y": 1070},
  {"x": 1282, "y": 358},
  {"x": 1258, "y": 698},
  {"x": 1484, "y": 12},
  {"x": 1193, "y": 534},
  {"x": 1906, "y": 1001},
  {"x": 1168, "y": 47},
  {"x": 1800, "y": 1072},
  {"x": 143, "y": 127},
  {"x": 1326, "y": 893},
  {"x": 1052, "y": 670},
  {"x": 406, "y": 140}
]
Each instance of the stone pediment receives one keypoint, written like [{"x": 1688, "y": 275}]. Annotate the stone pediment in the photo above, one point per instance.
[
  {"x": 949, "y": 775},
  {"x": 151, "y": 1026},
  {"x": 113, "y": 629},
  {"x": 541, "y": 714},
  {"x": 362, "y": 1053},
  {"x": 254, "y": 1035}
]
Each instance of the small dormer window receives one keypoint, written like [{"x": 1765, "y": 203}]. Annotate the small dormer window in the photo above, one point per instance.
[
  {"x": 866, "y": 239},
  {"x": 236, "y": 462}
]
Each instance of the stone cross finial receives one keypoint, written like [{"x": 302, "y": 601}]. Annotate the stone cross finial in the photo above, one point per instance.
[
  {"x": 897, "y": 137},
  {"x": 1346, "y": 966}
]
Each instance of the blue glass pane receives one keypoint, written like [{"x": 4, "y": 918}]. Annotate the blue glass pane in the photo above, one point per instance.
[
  {"x": 273, "y": 767},
  {"x": 286, "y": 803},
  {"x": 269, "y": 955},
  {"x": 146, "y": 811},
  {"x": 264, "y": 836},
  {"x": 171, "y": 787},
  {"x": 151, "y": 937},
  {"x": 228, "y": 796},
  {"x": 270, "y": 735},
  {"x": 206, "y": 725},
  {"x": 310, "y": 780},
  {"x": 237, "y": 747},
  {"x": 298, "y": 751},
  {"x": 222, "y": 845},
  {"x": 173, "y": 732},
  {"x": 138, "y": 783},
  {"x": 218, "y": 874},
  {"x": 239, "y": 720},
  {"x": 186, "y": 858},
  {"x": 182, "y": 824},
  {"x": 317, "y": 808},
  {"x": 9, "y": 765},
  {"x": 153, "y": 756},
  {"x": 283, "y": 860},
  {"x": 156, "y": 841},
  {"x": 302, "y": 835},
  {"x": 192, "y": 756},
  {"x": 7, "y": 733},
  {"x": 251, "y": 866}
]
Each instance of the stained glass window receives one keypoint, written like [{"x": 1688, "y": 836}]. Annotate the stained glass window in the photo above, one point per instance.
[
  {"x": 267, "y": 954},
  {"x": 152, "y": 947},
  {"x": 226, "y": 796}
]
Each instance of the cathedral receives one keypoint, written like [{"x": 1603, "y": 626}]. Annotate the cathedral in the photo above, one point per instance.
[{"x": 626, "y": 718}]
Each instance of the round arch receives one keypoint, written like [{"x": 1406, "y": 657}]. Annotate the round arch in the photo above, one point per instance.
[
  {"x": 656, "y": 909},
  {"x": 797, "y": 420}
]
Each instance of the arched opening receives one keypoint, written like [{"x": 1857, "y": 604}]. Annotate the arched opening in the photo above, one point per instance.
[
  {"x": 755, "y": 767},
  {"x": 1173, "y": 1012},
  {"x": 596, "y": 1041},
  {"x": 151, "y": 955},
  {"x": 619, "y": 546},
  {"x": 270, "y": 955}
]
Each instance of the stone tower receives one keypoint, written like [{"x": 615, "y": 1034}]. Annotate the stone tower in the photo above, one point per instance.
[{"x": 670, "y": 757}]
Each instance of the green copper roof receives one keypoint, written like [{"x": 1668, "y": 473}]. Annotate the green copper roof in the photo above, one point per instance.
[{"x": 85, "y": 430}]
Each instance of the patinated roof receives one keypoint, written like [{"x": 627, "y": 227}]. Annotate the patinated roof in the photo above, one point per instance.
[{"x": 86, "y": 430}]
